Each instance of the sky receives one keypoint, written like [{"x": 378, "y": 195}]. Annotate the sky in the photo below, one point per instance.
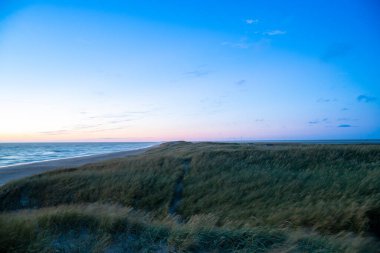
[{"x": 76, "y": 70}]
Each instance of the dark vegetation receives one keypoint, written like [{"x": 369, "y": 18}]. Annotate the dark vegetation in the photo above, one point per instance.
[{"x": 202, "y": 197}]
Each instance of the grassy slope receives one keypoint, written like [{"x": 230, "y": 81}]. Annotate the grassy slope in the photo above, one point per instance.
[{"x": 245, "y": 197}]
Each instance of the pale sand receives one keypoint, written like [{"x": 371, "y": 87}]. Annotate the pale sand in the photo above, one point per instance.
[{"x": 14, "y": 172}]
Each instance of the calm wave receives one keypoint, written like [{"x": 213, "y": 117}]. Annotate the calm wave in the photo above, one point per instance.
[{"x": 20, "y": 153}]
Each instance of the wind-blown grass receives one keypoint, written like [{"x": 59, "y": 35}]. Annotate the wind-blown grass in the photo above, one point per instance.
[
  {"x": 236, "y": 197},
  {"x": 109, "y": 228}
]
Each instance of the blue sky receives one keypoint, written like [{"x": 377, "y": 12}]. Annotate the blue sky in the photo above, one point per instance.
[{"x": 192, "y": 70}]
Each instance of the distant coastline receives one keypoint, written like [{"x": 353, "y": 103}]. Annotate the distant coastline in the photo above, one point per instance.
[
  {"x": 13, "y": 172},
  {"x": 14, "y": 154}
]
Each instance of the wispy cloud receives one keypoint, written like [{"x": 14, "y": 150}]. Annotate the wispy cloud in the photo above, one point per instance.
[
  {"x": 344, "y": 125},
  {"x": 245, "y": 43},
  {"x": 197, "y": 73},
  {"x": 274, "y": 32},
  {"x": 101, "y": 122},
  {"x": 326, "y": 100},
  {"x": 335, "y": 50},
  {"x": 88, "y": 129},
  {"x": 347, "y": 119},
  {"x": 318, "y": 121},
  {"x": 119, "y": 121},
  {"x": 366, "y": 99},
  {"x": 75, "y": 128},
  {"x": 57, "y": 132},
  {"x": 251, "y": 21},
  {"x": 240, "y": 44},
  {"x": 109, "y": 129},
  {"x": 241, "y": 82},
  {"x": 126, "y": 115},
  {"x": 213, "y": 105}
]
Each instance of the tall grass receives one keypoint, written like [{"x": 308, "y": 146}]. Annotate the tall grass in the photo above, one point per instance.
[
  {"x": 330, "y": 188},
  {"x": 236, "y": 197},
  {"x": 108, "y": 228},
  {"x": 142, "y": 183}
]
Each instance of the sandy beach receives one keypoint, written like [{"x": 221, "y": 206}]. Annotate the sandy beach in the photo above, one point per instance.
[{"x": 14, "y": 172}]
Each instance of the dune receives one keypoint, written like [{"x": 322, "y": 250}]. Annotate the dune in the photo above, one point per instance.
[{"x": 15, "y": 172}]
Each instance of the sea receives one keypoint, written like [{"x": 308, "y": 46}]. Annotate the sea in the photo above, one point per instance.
[{"x": 25, "y": 153}]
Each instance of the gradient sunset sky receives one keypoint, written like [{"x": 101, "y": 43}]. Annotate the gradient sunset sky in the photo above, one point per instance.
[{"x": 191, "y": 70}]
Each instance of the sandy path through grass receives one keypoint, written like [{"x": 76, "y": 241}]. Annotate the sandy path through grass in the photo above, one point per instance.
[{"x": 178, "y": 190}]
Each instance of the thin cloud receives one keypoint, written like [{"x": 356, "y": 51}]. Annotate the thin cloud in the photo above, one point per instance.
[
  {"x": 326, "y": 100},
  {"x": 99, "y": 93},
  {"x": 318, "y": 121},
  {"x": 74, "y": 128},
  {"x": 335, "y": 51},
  {"x": 241, "y": 82},
  {"x": 241, "y": 45},
  {"x": 86, "y": 128},
  {"x": 275, "y": 32},
  {"x": 119, "y": 121},
  {"x": 244, "y": 43},
  {"x": 251, "y": 21},
  {"x": 108, "y": 129},
  {"x": 344, "y": 125},
  {"x": 58, "y": 132},
  {"x": 197, "y": 73},
  {"x": 124, "y": 115},
  {"x": 213, "y": 105},
  {"x": 366, "y": 99}
]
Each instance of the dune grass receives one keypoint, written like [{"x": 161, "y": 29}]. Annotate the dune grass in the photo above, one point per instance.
[
  {"x": 110, "y": 228},
  {"x": 235, "y": 197}
]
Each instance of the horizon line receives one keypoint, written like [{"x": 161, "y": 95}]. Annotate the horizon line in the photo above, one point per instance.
[{"x": 197, "y": 141}]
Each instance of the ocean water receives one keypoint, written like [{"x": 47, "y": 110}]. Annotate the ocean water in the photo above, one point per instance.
[{"x": 23, "y": 153}]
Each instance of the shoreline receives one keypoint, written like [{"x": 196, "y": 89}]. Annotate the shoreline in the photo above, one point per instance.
[
  {"x": 63, "y": 158},
  {"x": 18, "y": 171}
]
